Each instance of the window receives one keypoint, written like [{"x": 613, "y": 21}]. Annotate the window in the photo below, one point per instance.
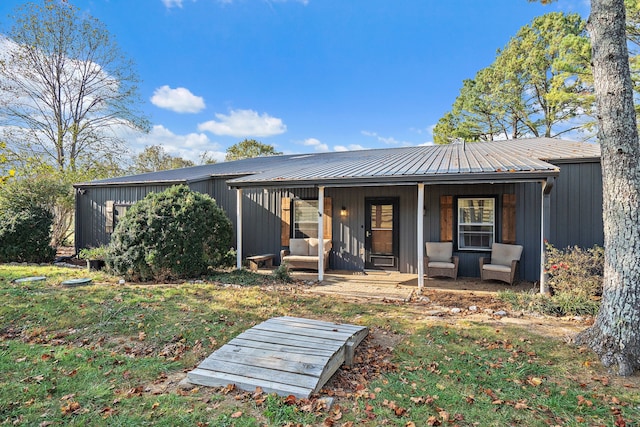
[
  {"x": 476, "y": 223},
  {"x": 305, "y": 218}
]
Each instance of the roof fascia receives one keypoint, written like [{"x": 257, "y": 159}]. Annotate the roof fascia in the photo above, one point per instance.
[{"x": 484, "y": 178}]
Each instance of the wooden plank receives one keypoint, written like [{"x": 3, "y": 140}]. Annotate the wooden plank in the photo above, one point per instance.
[
  {"x": 267, "y": 362},
  {"x": 201, "y": 377},
  {"x": 317, "y": 323},
  {"x": 283, "y": 338},
  {"x": 281, "y": 348},
  {"x": 259, "y": 372},
  {"x": 303, "y": 331},
  {"x": 236, "y": 352}
]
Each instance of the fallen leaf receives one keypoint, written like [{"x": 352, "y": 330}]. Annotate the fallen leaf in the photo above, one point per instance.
[
  {"x": 534, "y": 381},
  {"x": 236, "y": 414}
]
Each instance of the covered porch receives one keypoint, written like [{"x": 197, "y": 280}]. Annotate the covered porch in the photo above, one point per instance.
[{"x": 395, "y": 286}]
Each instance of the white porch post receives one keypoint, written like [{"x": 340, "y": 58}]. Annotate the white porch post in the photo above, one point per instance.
[
  {"x": 545, "y": 228},
  {"x": 239, "y": 228},
  {"x": 320, "y": 233},
  {"x": 420, "y": 237}
]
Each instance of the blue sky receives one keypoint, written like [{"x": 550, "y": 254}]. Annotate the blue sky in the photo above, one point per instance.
[{"x": 304, "y": 75}]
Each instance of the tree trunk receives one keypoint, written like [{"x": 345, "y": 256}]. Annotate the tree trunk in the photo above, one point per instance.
[{"x": 615, "y": 335}]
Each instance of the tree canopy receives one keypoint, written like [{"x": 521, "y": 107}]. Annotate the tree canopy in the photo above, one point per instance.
[
  {"x": 539, "y": 85},
  {"x": 250, "y": 148},
  {"x": 68, "y": 93},
  {"x": 154, "y": 158}
]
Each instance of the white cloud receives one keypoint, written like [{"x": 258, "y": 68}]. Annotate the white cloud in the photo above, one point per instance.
[
  {"x": 387, "y": 140},
  {"x": 316, "y": 144},
  {"x": 244, "y": 123},
  {"x": 350, "y": 147},
  {"x": 190, "y": 146},
  {"x": 172, "y": 3},
  {"x": 180, "y": 100}
]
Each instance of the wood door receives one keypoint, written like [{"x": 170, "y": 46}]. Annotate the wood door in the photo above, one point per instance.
[{"x": 381, "y": 234}]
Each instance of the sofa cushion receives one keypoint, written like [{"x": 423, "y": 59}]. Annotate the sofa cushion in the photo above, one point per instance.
[
  {"x": 301, "y": 258},
  {"x": 502, "y": 254},
  {"x": 439, "y": 251},
  {"x": 299, "y": 247},
  {"x": 313, "y": 245}
]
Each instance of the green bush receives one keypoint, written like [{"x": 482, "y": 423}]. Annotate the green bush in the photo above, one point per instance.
[
  {"x": 25, "y": 234},
  {"x": 175, "y": 234}
]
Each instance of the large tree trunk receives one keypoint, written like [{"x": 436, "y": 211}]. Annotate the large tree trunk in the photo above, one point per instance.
[{"x": 615, "y": 335}]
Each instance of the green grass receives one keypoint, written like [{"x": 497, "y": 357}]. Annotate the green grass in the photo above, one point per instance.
[{"x": 106, "y": 354}]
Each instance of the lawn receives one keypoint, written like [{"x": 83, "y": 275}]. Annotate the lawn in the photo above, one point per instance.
[{"x": 111, "y": 354}]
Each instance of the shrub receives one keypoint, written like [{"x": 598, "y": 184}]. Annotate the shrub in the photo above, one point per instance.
[
  {"x": 175, "y": 234},
  {"x": 575, "y": 271},
  {"x": 25, "y": 234},
  {"x": 282, "y": 273},
  {"x": 574, "y": 276}
]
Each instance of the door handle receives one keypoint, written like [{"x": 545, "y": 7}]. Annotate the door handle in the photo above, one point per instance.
[{"x": 367, "y": 233}]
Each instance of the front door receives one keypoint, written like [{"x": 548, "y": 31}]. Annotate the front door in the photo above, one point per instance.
[{"x": 381, "y": 234}]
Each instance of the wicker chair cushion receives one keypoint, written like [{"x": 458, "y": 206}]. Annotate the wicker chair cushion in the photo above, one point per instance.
[
  {"x": 502, "y": 254},
  {"x": 497, "y": 267},
  {"x": 438, "y": 264},
  {"x": 439, "y": 251}
]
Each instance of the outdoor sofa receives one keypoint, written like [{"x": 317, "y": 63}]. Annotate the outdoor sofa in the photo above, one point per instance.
[{"x": 303, "y": 253}]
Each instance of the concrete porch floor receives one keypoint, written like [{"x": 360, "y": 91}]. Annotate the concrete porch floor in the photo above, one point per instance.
[{"x": 399, "y": 286}]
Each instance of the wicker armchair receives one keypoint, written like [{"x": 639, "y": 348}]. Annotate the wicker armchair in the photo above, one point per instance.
[
  {"x": 503, "y": 264},
  {"x": 439, "y": 260}
]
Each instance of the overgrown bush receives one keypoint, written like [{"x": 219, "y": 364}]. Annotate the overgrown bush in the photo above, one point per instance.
[
  {"x": 25, "y": 233},
  {"x": 575, "y": 271},
  {"x": 575, "y": 279},
  {"x": 175, "y": 234}
]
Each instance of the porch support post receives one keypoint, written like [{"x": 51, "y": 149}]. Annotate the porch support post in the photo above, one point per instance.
[
  {"x": 420, "y": 237},
  {"x": 320, "y": 234},
  {"x": 239, "y": 228},
  {"x": 545, "y": 228}
]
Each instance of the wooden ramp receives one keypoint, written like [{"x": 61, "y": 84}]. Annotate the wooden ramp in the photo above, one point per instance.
[{"x": 285, "y": 355}]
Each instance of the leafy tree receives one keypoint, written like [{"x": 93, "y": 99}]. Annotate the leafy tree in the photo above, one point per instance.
[
  {"x": 178, "y": 233},
  {"x": 250, "y": 148},
  {"x": 4, "y": 174},
  {"x": 67, "y": 91},
  {"x": 539, "y": 85},
  {"x": 154, "y": 159}
]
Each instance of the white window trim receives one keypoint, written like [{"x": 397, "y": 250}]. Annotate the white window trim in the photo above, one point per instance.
[
  {"x": 459, "y": 224},
  {"x": 293, "y": 216}
]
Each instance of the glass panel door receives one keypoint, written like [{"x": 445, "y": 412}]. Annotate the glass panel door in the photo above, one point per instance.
[{"x": 381, "y": 234}]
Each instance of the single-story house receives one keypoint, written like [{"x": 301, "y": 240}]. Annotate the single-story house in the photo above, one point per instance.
[{"x": 378, "y": 207}]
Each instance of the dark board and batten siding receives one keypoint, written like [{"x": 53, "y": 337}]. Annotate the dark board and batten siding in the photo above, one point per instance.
[
  {"x": 575, "y": 217},
  {"x": 90, "y": 209},
  {"x": 576, "y": 206}
]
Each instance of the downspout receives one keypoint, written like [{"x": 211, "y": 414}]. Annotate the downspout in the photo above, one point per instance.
[
  {"x": 239, "y": 228},
  {"x": 545, "y": 228},
  {"x": 320, "y": 233},
  {"x": 420, "y": 237}
]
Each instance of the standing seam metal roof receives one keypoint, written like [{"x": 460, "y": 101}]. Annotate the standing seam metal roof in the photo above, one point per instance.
[{"x": 525, "y": 158}]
